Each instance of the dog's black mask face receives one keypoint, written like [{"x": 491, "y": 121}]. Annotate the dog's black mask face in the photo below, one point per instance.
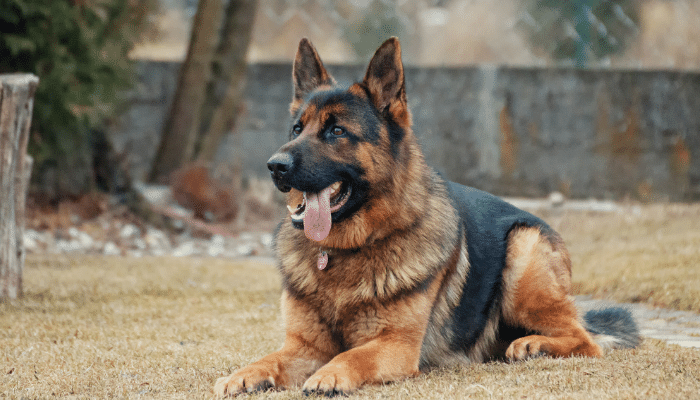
[
  {"x": 326, "y": 136},
  {"x": 340, "y": 139}
]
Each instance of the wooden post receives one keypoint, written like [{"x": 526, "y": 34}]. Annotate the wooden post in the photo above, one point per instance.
[{"x": 16, "y": 104}]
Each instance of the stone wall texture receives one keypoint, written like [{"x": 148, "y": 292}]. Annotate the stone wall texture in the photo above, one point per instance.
[{"x": 511, "y": 131}]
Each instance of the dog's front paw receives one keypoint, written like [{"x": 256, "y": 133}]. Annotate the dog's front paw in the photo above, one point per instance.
[
  {"x": 332, "y": 381},
  {"x": 523, "y": 348},
  {"x": 249, "y": 379}
]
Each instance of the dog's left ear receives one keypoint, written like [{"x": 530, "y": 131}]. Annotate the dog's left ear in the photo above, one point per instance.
[{"x": 385, "y": 78}]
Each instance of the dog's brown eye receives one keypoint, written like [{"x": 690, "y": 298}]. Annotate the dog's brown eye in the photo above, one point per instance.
[
  {"x": 296, "y": 129},
  {"x": 338, "y": 131}
]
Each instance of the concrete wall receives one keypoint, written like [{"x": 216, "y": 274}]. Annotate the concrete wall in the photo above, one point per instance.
[{"x": 512, "y": 131}]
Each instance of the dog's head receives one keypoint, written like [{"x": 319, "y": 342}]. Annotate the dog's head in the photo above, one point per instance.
[{"x": 346, "y": 146}]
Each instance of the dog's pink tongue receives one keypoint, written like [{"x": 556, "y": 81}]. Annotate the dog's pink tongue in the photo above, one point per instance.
[{"x": 317, "y": 218}]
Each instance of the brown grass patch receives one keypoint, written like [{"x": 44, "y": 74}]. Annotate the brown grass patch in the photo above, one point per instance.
[
  {"x": 100, "y": 327},
  {"x": 104, "y": 327},
  {"x": 647, "y": 253}
]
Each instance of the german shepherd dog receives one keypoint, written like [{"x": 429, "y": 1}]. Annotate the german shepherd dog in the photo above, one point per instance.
[{"x": 387, "y": 268}]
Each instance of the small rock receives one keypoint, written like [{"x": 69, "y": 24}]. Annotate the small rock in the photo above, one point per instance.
[
  {"x": 214, "y": 251},
  {"x": 66, "y": 246},
  {"x": 185, "y": 249},
  {"x": 156, "y": 238},
  {"x": 218, "y": 240},
  {"x": 157, "y": 252},
  {"x": 86, "y": 241},
  {"x": 128, "y": 231},
  {"x": 266, "y": 240},
  {"x": 178, "y": 224},
  {"x": 31, "y": 239},
  {"x": 154, "y": 194},
  {"x": 140, "y": 244},
  {"x": 216, "y": 246},
  {"x": 111, "y": 249},
  {"x": 209, "y": 216},
  {"x": 556, "y": 199},
  {"x": 73, "y": 232},
  {"x": 244, "y": 250}
]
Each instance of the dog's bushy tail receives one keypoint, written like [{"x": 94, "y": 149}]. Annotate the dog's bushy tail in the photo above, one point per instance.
[{"x": 613, "y": 328}]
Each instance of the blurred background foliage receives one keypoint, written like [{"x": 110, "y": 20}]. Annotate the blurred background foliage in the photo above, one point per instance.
[
  {"x": 83, "y": 50},
  {"x": 622, "y": 33},
  {"x": 380, "y": 20},
  {"x": 78, "y": 48},
  {"x": 581, "y": 31}
]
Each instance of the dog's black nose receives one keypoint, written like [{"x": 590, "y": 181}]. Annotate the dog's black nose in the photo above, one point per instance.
[{"x": 279, "y": 164}]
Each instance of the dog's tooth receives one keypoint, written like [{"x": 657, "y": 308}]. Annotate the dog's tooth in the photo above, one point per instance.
[{"x": 335, "y": 187}]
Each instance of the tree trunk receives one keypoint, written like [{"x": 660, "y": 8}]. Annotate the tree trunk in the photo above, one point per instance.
[
  {"x": 180, "y": 131},
  {"x": 16, "y": 104},
  {"x": 225, "y": 95}
]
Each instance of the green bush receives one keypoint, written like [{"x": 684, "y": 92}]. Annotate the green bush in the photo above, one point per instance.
[{"x": 78, "y": 48}]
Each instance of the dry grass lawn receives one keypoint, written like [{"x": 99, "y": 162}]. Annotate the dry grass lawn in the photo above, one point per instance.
[
  {"x": 648, "y": 254},
  {"x": 98, "y": 327}
]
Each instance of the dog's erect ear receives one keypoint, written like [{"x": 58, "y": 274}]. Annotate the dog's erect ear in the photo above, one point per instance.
[
  {"x": 384, "y": 77},
  {"x": 309, "y": 72}
]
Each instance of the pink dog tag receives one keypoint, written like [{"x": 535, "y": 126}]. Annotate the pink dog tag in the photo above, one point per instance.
[{"x": 322, "y": 260}]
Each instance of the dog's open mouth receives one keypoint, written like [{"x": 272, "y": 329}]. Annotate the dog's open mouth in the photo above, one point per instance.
[{"x": 316, "y": 209}]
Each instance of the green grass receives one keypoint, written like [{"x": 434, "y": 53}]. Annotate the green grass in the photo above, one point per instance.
[{"x": 167, "y": 328}]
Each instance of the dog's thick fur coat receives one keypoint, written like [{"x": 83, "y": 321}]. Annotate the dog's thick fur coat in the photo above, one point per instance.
[{"x": 387, "y": 268}]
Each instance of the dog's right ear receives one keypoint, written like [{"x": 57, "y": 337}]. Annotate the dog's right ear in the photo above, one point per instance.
[{"x": 309, "y": 73}]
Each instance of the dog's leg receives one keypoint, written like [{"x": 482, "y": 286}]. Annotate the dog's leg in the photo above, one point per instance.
[
  {"x": 536, "y": 284},
  {"x": 281, "y": 369},
  {"x": 307, "y": 346},
  {"x": 387, "y": 344},
  {"x": 390, "y": 357}
]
